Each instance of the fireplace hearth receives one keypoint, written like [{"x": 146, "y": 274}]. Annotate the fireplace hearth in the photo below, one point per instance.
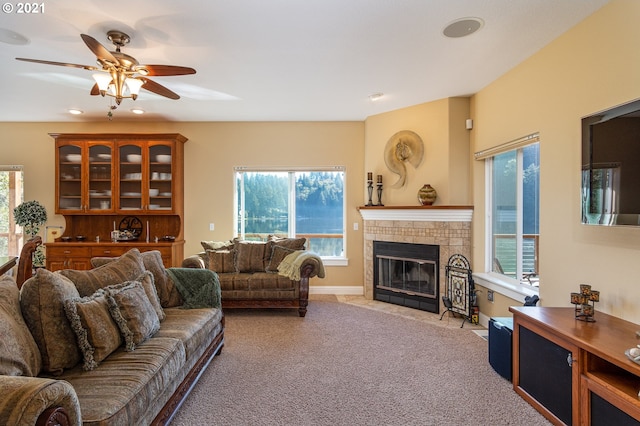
[{"x": 407, "y": 274}]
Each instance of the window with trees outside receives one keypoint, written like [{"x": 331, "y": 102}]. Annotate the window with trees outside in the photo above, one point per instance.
[
  {"x": 513, "y": 187},
  {"x": 305, "y": 203},
  {"x": 11, "y": 195}
]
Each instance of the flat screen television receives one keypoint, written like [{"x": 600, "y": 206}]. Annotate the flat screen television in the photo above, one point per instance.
[{"x": 611, "y": 166}]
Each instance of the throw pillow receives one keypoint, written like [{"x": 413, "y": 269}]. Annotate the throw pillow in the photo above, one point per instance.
[
  {"x": 19, "y": 354},
  {"x": 125, "y": 268},
  {"x": 252, "y": 256},
  {"x": 221, "y": 261},
  {"x": 216, "y": 245},
  {"x": 42, "y": 301},
  {"x": 277, "y": 254},
  {"x": 96, "y": 332},
  {"x": 133, "y": 313},
  {"x": 166, "y": 291},
  {"x": 291, "y": 243},
  {"x": 152, "y": 261},
  {"x": 146, "y": 279}
]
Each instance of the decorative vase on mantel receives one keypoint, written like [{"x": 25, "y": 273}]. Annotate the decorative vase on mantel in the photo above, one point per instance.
[{"x": 427, "y": 195}]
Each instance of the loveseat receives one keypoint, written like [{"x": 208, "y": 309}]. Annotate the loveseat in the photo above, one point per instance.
[
  {"x": 121, "y": 344},
  {"x": 261, "y": 274}
]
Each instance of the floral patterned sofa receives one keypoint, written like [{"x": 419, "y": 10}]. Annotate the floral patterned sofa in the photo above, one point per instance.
[
  {"x": 108, "y": 346},
  {"x": 261, "y": 274}
]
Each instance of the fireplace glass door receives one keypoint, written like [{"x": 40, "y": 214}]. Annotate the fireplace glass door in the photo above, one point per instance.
[{"x": 410, "y": 276}]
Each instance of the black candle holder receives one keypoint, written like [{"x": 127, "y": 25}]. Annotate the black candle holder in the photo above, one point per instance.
[
  {"x": 370, "y": 190},
  {"x": 585, "y": 303},
  {"x": 380, "y": 194}
]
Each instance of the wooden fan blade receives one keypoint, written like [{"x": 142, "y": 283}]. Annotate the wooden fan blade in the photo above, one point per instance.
[
  {"x": 99, "y": 50},
  {"x": 62, "y": 64},
  {"x": 166, "y": 70},
  {"x": 159, "y": 89},
  {"x": 95, "y": 90}
]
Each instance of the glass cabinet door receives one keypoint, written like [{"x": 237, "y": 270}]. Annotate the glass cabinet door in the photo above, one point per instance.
[
  {"x": 100, "y": 178},
  {"x": 160, "y": 177},
  {"x": 130, "y": 156},
  {"x": 70, "y": 177}
]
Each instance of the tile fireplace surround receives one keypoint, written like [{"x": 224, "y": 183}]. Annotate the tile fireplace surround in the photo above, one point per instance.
[{"x": 446, "y": 226}]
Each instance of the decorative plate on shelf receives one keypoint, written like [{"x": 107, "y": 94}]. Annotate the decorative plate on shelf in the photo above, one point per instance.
[{"x": 130, "y": 228}]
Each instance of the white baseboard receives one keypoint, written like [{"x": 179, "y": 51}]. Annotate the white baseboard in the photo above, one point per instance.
[
  {"x": 343, "y": 290},
  {"x": 484, "y": 320}
]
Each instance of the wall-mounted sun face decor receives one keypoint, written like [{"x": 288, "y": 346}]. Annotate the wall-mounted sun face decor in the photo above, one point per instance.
[{"x": 403, "y": 147}]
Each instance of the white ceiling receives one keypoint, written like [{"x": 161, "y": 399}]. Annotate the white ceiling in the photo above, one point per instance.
[{"x": 273, "y": 60}]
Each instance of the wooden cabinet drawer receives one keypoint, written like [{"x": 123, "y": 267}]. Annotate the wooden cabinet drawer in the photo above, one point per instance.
[
  {"x": 164, "y": 251},
  {"x": 108, "y": 251},
  {"x": 115, "y": 251},
  {"x": 67, "y": 252}
]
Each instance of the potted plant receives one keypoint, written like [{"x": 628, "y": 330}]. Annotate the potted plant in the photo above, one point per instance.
[{"x": 30, "y": 215}]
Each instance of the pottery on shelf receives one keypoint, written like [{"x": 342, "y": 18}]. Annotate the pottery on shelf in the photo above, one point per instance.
[{"x": 427, "y": 195}]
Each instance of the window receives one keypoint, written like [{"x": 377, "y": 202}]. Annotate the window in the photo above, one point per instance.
[
  {"x": 513, "y": 191},
  {"x": 11, "y": 195},
  {"x": 293, "y": 203}
]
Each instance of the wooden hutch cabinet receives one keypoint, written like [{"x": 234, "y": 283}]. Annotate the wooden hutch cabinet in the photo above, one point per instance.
[
  {"x": 111, "y": 181},
  {"x": 576, "y": 372}
]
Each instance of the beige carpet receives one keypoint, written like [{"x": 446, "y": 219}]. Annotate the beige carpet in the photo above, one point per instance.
[{"x": 352, "y": 362}]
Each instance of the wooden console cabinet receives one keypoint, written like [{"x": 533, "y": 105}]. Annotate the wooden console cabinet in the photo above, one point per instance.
[
  {"x": 576, "y": 372},
  {"x": 104, "y": 180}
]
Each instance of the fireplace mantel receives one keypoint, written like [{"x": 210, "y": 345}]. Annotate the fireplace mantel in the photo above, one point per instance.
[{"x": 418, "y": 213}]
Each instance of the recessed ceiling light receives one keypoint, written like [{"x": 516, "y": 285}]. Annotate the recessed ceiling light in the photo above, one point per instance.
[
  {"x": 12, "y": 37},
  {"x": 137, "y": 111},
  {"x": 75, "y": 111},
  {"x": 463, "y": 27},
  {"x": 375, "y": 96}
]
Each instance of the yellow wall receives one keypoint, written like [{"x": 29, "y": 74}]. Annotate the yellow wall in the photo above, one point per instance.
[
  {"x": 211, "y": 153},
  {"x": 594, "y": 66},
  {"x": 445, "y": 165},
  {"x": 498, "y": 308}
]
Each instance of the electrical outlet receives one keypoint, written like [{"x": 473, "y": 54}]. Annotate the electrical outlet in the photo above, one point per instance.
[
  {"x": 490, "y": 295},
  {"x": 212, "y": 227},
  {"x": 355, "y": 226}
]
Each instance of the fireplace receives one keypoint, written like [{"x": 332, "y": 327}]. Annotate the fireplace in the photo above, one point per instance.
[
  {"x": 407, "y": 274},
  {"x": 447, "y": 227}
]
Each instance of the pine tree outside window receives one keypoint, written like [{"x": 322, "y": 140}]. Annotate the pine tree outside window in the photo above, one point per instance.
[{"x": 305, "y": 203}]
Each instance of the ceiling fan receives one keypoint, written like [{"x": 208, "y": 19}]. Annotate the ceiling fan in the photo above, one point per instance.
[{"x": 120, "y": 75}]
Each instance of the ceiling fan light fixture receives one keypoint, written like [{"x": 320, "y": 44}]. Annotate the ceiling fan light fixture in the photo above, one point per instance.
[
  {"x": 134, "y": 85},
  {"x": 119, "y": 75},
  {"x": 104, "y": 82}
]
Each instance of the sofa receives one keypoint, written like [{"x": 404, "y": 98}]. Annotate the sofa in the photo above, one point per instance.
[
  {"x": 261, "y": 274},
  {"x": 120, "y": 344}
]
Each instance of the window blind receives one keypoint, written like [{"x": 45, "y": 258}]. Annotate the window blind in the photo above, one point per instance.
[
  {"x": 9, "y": 168},
  {"x": 508, "y": 146}
]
